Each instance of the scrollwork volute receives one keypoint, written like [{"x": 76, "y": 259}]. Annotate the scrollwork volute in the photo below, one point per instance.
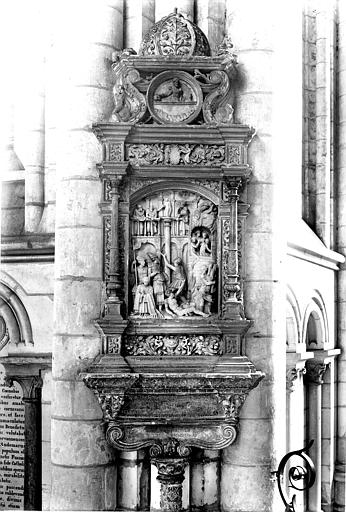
[
  {"x": 218, "y": 105},
  {"x": 129, "y": 103}
]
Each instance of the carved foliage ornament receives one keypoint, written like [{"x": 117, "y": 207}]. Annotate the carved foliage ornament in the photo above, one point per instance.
[
  {"x": 110, "y": 404},
  {"x": 173, "y": 345},
  {"x": 175, "y": 35},
  {"x": 175, "y": 154}
]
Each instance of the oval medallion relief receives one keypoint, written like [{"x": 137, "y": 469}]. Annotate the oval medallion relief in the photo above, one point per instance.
[{"x": 174, "y": 97}]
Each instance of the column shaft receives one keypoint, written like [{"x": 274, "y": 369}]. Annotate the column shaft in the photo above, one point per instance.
[
  {"x": 315, "y": 433},
  {"x": 340, "y": 470},
  {"x": 258, "y": 32},
  {"x": 323, "y": 109},
  {"x": 83, "y": 469}
]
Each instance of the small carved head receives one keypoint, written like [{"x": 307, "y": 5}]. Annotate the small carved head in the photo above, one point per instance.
[
  {"x": 146, "y": 281},
  {"x": 141, "y": 261}
]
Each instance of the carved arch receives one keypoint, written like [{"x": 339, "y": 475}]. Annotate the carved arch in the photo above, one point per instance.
[
  {"x": 177, "y": 185},
  {"x": 15, "y": 317},
  {"x": 315, "y": 323},
  {"x": 293, "y": 321}
]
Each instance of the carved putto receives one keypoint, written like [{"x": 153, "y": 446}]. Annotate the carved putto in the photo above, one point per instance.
[{"x": 174, "y": 267}]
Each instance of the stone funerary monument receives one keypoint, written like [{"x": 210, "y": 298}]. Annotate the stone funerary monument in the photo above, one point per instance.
[{"x": 173, "y": 375}]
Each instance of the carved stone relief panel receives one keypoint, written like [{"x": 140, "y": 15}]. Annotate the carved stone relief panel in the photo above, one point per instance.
[
  {"x": 173, "y": 255},
  {"x": 175, "y": 154}
]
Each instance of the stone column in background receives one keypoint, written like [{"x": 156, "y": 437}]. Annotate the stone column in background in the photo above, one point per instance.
[
  {"x": 138, "y": 18},
  {"x": 323, "y": 111},
  {"x": 210, "y": 17},
  {"x": 314, "y": 376},
  {"x": 83, "y": 469},
  {"x": 185, "y": 7},
  {"x": 29, "y": 112},
  {"x": 340, "y": 470},
  {"x": 260, "y": 32}
]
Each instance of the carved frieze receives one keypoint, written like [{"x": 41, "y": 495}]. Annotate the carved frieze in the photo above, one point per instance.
[
  {"x": 175, "y": 154},
  {"x": 187, "y": 345}
]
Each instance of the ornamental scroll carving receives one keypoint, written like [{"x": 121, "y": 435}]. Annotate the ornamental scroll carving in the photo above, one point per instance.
[
  {"x": 129, "y": 103},
  {"x": 175, "y": 154},
  {"x": 186, "y": 345}
]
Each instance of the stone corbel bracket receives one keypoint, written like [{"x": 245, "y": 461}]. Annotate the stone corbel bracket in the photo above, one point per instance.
[{"x": 197, "y": 409}]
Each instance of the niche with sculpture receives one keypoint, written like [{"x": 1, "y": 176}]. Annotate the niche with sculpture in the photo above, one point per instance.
[{"x": 173, "y": 271}]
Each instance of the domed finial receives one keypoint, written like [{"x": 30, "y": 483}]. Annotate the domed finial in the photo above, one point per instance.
[{"x": 175, "y": 35}]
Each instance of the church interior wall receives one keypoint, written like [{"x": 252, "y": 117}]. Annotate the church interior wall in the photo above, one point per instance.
[{"x": 239, "y": 477}]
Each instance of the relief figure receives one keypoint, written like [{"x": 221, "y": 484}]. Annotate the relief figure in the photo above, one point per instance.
[
  {"x": 152, "y": 221},
  {"x": 179, "y": 277},
  {"x": 186, "y": 309},
  {"x": 144, "y": 304},
  {"x": 203, "y": 295},
  {"x": 139, "y": 215},
  {"x": 183, "y": 220},
  {"x": 122, "y": 107},
  {"x": 159, "y": 280},
  {"x": 173, "y": 92},
  {"x": 205, "y": 245}
]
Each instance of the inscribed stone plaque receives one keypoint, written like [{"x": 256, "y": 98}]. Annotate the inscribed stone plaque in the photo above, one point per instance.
[{"x": 11, "y": 446}]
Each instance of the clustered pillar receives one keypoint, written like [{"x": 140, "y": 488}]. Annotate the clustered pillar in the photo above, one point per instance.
[
  {"x": 83, "y": 468},
  {"x": 340, "y": 470}
]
